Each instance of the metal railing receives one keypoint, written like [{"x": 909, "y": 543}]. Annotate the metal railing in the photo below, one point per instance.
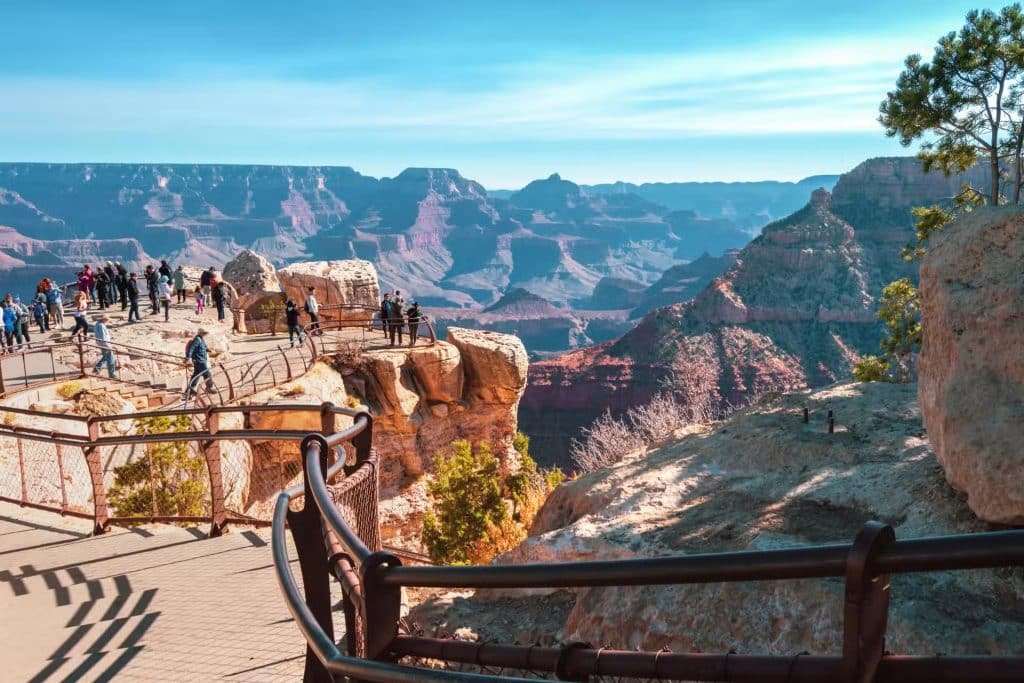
[
  {"x": 88, "y": 466},
  {"x": 372, "y": 580}
]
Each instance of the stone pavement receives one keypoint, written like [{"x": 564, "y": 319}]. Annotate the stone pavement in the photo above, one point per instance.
[{"x": 144, "y": 604}]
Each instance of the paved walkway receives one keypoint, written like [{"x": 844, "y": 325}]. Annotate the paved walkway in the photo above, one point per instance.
[{"x": 146, "y": 604}]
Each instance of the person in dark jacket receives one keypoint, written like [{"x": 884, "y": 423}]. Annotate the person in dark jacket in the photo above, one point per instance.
[
  {"x": 414, "y": 316},
  {"x": 121, "y": 281},
  {"x": 385, "y": 313},
  {"x": 396, "y": 321},
  {"x": 220, "y": 297},
  {"x": 197, "y": 353},
  {"x": 165, "y": 270},
  {"x": 291, "y": 316},
  {"x": 103, "y": 289},
  {"x": 112, "y": 279},
  {"x": 132, "y": 292},
  {"x": 151, "y": 280},
  {"x": 206, "y": 281}
]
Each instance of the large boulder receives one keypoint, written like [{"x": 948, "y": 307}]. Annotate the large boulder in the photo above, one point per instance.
[
  {"x": 255, "y": 281},
  {"x": 971, "y": 385},
  {"x": 495, "y": 364},
  {"x": 351, "y": 283}
]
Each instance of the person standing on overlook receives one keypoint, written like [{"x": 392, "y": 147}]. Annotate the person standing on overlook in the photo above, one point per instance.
[
  {"x": 103, "y": 290},
  {"x": 84, "y": 283},
  {"x": 102, "y": 334},
  {"x": 90, "y": 281},
  {"x": 132, "y": 292},
  {"x": 112, "y": 279},
  {"x": 396, "y": 319},
  {"x": 206, "y": 281},
  {"x": 39, "y": 313},
  {"x": 121, "y": 282},
  {"x": 313, "y": 309},
  {"x": 55, "y": 306},
  {"x": 414, "y": 316},
  {"x": 23, "y": 328},
  {"x": 385, "y": 312},
  {"x": 81, "y": 326},
  {"x": 163, "y": 291},
  {"x": 151, "y": 281},
  {"x": 165, "y": 270},
  {"x": 179, "y": 284},
  {"x": 9, "y": 318},
  {"x": 291, "y": 316}
]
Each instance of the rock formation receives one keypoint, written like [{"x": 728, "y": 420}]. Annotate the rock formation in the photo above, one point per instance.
[
  {"x": 764, "y": 480},
  {"x": 796, "y": 309},
  {"x": 255, "y": 280},
  {"x": 350, "y": 284},
  {"x": 971, "y": 377}
]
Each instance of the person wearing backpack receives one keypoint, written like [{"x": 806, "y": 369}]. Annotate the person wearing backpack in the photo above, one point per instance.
[
  {"x": 132, "y": 292},
  {"x": 121, "y": 281},
  {"x": 385, "y": 312},
  {"x": 291, "y": 316},
  {"x": 39, "y": 313},
  {"x": 179, "y": 284},
  {"x": 414, "y": 316},
  {"x": 22, "y": 331},
  {"x": 55, "y": 306},
  {"x": 396, "y": 319},
  {"x": 151, "y": 286}
]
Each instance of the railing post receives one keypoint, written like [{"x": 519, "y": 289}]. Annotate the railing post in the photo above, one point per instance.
[
  {"x": 63, "y": 486},
  {"x": 24, "y": 367},
  {"x": 211, "y": 452},
  {"x": 93, "y": 461},
  {"x": 307, "y": 533},
  {"x": 21, "y": 469},
  {"x": 287, "y": 363},
  {"x": 231, "y": 387},
  {"x": 383, "y": 604},
  {"x": 866, "y": 609},
  {"x": 329, "y": 425},
  {"x": 81, "y": 358}
]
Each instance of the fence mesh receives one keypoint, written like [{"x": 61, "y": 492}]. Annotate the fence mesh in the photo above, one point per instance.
[
  {"x": 254, "y": 472},
  {"x": 462, "y": 667},
  {"x": 162, "y": 479}
]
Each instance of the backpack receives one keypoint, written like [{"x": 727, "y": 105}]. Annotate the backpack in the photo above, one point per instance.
[
  {"x": 188, "y": 348},
  {"x": 52, "y": 295}
]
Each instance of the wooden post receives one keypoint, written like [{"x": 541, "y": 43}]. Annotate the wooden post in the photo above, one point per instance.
[
  {"x": 211, "y": 452},
  {"x": 93, "y": 461}
]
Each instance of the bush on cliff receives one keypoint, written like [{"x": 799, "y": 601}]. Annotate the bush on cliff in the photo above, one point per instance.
[
  {"x": 168, "y": 476},
  {"x": 900, "y": 310}
]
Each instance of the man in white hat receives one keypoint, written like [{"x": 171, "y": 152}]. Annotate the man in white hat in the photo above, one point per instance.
[
  {"x": 102, "y": 335},
  {"x": 196, "y": 352}
]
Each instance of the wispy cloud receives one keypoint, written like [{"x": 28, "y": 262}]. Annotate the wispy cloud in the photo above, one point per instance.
[{"x": 774, "y": 89}]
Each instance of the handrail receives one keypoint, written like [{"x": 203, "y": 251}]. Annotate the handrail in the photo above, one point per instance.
[{"x": 372, "y": 580}]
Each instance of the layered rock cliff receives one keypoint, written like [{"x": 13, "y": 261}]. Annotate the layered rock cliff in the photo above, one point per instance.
[{"x": 797, "y": 308}]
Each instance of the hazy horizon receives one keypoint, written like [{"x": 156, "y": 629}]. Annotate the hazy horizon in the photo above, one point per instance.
[{"x": 660, "y": 92}]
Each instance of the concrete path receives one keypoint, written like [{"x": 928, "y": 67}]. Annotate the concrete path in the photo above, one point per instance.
[{"x": 145, "y": 604}]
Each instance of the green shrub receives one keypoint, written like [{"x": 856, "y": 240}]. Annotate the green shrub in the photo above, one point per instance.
[
  {"x": 179, "y": 481},
  {"x": 467, "y": 496},
  {"x": 871, "y": 369},
  {"x": 68, "y": 390}
]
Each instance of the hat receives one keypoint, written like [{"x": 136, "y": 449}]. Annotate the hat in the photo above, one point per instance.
[
  {"x": 201, "y": 332},
  {"x": 132, "y": 275},
  {"x": 163, "y": 278},
  {"x": 17, "y": 297}
]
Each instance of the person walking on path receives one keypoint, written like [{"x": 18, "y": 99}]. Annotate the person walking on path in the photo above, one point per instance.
[
  {"x": 414, "y": 316},
  {"x": 81, "y": 326},
  {"x": 163, "y": 291},
  {"x": 39, "y": 313},
  {"x": 179, "y": 284},
  {"x": 132, "y": 292},
  {"x": 200, "y": 300},
  {"x": 9, "y": 318},
  {"x": 313, "y": 309},
  {"x": 206, "y": 281},
  {"x": 55, "y": 306},
  {"x": 23, "y": 329},
  {"x": 198, "y": 354},
  {"x": 151, "y": 281},
  {"x": 102, "y": 334},
  {"x": 121, "y": 281},
  {"x": 395, "y": 319},
  {"x": 385, "y": 312},
  {"x": 219, "y": 299},
  {"x": 291, "y": 316}
]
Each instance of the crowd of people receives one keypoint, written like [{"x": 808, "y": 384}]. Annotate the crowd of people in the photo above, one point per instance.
[{"x": 395, "y": 318}]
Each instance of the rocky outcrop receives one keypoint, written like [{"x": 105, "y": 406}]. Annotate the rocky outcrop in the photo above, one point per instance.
[
  {"x": 350, "y": 284},
  {"x": 764, "y": 480},
  {"x": 255, "y": 281},
  {"x": 970, "y": 372}
]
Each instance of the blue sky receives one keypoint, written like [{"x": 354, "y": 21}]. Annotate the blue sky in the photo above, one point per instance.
[{"x": 505, "y": 92}]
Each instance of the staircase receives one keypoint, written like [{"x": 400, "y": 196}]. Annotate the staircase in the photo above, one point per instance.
[{"x": 144, "y": 395}]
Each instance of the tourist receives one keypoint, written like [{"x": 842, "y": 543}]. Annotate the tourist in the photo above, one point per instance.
[
  {"x": 196, "y": 352},
  {"x": 414, "y": 317},
  {"x": 103, "y": 290},
  {"x": 55, "y": 306},
  {"x": 313, "y": 309},
  {"x": 112, "y": 279},
  {"x": 39, "y": 313},
  {"x": 84, "y": 283},
  {"x": 163, "y": 291},
  {"x": 121, "y": 281},
  {"x": 102, "y": 334},
  {"x": 81, "y": 302},
  {"x": 44, "y": 286},
  {"x": 179, "y": 284},
  {"x": 132, "y": 292},
  {"x": 219, "y": 299},
  {"x": 200, "y": 300},
  {"x": 291, "y": 316},
  {"x": 9, "y": 317},
  {"x": 205, "y": 281},
  {"x": 385, "y": 313},
  {"x": 22, "y": 331},
  {"x": 151, "y": 282},
  {"x": 90, "y": 278},
  {"x": 396, "y": 321},
  {"x": 165, "y": 270}
]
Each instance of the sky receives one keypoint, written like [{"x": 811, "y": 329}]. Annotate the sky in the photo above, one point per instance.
[{"x": 506, "y": 92}]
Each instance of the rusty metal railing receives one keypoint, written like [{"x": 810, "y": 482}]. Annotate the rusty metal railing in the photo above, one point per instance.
[{"x": 372, "y": 579}]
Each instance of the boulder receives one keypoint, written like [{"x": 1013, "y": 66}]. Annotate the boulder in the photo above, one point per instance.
[
  {"x": 255, "y": 281},
  {"x": 495, "y": 364},
  {"x": 439, "y": 370},
  {"x": 971, "y": 378},
  {"x": 352, "y": 284}
]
